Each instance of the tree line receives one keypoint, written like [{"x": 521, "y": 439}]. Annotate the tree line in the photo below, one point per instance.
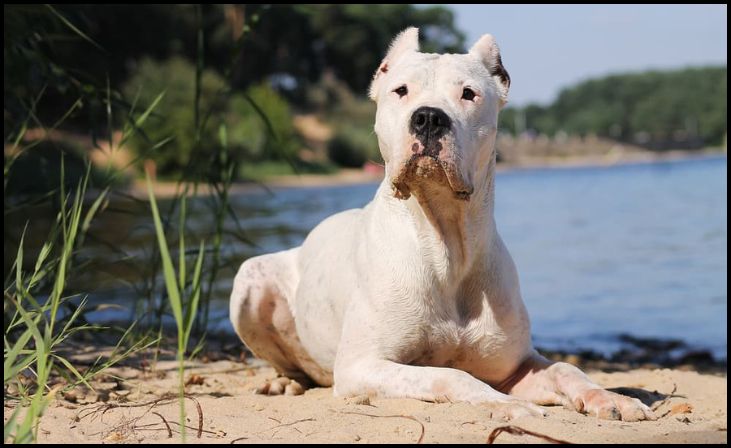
[{"x": 684, "y": 108}]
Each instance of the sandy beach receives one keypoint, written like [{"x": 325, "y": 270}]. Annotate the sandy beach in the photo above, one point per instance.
[{"x": 129, "y": 405}]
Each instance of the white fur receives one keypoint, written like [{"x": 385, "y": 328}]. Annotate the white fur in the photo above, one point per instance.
[{"x": 412, "y": 297}]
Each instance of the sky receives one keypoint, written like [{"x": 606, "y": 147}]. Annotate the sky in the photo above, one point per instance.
[{"x": 545, "y": 48}]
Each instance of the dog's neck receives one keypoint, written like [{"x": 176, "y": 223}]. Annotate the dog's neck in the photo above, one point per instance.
[{"x": 452, "y": 233}]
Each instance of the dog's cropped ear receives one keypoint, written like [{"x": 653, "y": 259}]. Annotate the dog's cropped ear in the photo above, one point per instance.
[
  {"x": 406, "y": 42},
  {"x": 488, "y": 52}
]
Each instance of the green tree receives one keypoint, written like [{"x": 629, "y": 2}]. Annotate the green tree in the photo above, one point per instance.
[{"x": 674, "y": 108}]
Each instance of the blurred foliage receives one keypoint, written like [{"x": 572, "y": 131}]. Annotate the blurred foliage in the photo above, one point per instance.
[
  {"x": 351, "y": 39},
  {"x": 353, "y": 145},
  {"x": 670, "y": 109},
  {"x": 301, "y": 41},
  {"x": 261, "y": 61},
  {"x": 251, "y": 137},
  {"x": 259, "y": 139},
  {"x": 354, "y": 141},
  {"x": 266, "y": 169},
  {"x": 40, "y": 88},
  {"x": 174, "y": 115}
]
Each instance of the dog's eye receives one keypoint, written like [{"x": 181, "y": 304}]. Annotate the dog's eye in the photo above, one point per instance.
[
  {"x": 468, "y": 94},
  {"x": 401, "y": 91}
]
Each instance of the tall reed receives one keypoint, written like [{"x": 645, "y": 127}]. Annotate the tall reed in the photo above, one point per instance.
[{"x": 184, "y": 312}]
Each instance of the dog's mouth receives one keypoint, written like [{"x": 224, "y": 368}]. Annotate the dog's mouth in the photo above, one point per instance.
[{"x": 424, "y": 169}]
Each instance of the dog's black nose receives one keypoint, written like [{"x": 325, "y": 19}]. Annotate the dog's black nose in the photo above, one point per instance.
[{"x": 429, "y": 122}]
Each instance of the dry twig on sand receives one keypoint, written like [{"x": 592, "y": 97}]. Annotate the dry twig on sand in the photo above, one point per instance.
[
  {"x": 520, "y": 432},
  {"x": 665, "y": 400},
  {"x": 103, "y": 408},
  {"x": 421, "y": 436},
  {"x": 170, "y": 431}
]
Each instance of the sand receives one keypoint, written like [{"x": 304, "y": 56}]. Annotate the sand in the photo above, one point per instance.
[{"x": 695, "y": 412}]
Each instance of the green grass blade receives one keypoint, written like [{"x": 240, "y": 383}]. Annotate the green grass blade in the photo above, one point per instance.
[
  {"x": 73, "y": 370},
  {"x": 31, "y": 325},
  {"x": 12, "y": 354},
  {"x": 70, "y": 229},
  {"x": 19, "y": 262},
  {"x": 73, "y": 28},
  {"x": 193, "y": 308},
  {"x": 93, "y": 209},
  {"x": 21, "y": 365},
  {"x": 141, "y": 119},
  {"x": 77, "y": 105},
  {"x": 72, "y": 318},
  {"x": 39, "y": 272},
  {"x": 91, "y": 213},
  {"x": 181, "y": 241},
  {"x": 167, "y": 264}
]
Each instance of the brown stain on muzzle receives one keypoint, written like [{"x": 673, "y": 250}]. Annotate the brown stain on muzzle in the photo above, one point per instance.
[{"x": 426, "y": 166}]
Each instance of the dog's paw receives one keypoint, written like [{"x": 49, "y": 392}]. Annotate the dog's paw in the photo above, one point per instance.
[
  {"x": 611, "y": 406},
  {"x": 280, "y": 386},
  {"x": 504, "y": 411}
]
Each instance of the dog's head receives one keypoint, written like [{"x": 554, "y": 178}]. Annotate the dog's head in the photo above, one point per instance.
[{"x": 437, "y": 114}]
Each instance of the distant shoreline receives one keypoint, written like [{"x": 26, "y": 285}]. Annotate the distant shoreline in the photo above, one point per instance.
[
  {"x": 351, "y": 176},
  {"x": 634, "y": 158}
]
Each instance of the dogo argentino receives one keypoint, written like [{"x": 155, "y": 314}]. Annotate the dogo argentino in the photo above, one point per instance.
[{"x": 415, "y": 295}]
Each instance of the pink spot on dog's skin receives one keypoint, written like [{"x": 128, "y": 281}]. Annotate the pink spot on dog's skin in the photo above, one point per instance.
[
  {"x": 415, "y": 148},
  {"x": 440, "y": 388}
]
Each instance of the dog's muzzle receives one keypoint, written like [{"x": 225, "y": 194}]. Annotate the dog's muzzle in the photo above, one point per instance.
[
  {"x": 431, "y": 159},
  {"x": 422, "y": 168}
]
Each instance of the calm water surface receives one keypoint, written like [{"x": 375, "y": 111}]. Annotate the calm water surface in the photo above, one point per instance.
[{"x": 634, "y": 249}]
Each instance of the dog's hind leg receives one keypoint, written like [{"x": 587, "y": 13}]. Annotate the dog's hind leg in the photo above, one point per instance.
[{"x": 260, "y": 311}]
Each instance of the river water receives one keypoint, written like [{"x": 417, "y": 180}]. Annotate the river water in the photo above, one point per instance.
[{"x": 636, "y": 250}]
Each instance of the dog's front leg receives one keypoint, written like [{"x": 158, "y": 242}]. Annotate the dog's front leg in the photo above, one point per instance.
[
  {"x": 543, "y": 382},
  {"x": 383, "y": 378}
]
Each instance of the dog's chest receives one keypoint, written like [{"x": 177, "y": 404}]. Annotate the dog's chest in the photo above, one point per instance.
[{"x": 480, "y": 347}]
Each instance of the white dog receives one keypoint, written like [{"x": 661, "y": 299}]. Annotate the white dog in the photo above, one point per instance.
[{"x": 415, "y": 295}]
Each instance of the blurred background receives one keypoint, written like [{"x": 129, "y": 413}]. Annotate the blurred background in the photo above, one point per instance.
[{"x": 253, "y": 122}]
